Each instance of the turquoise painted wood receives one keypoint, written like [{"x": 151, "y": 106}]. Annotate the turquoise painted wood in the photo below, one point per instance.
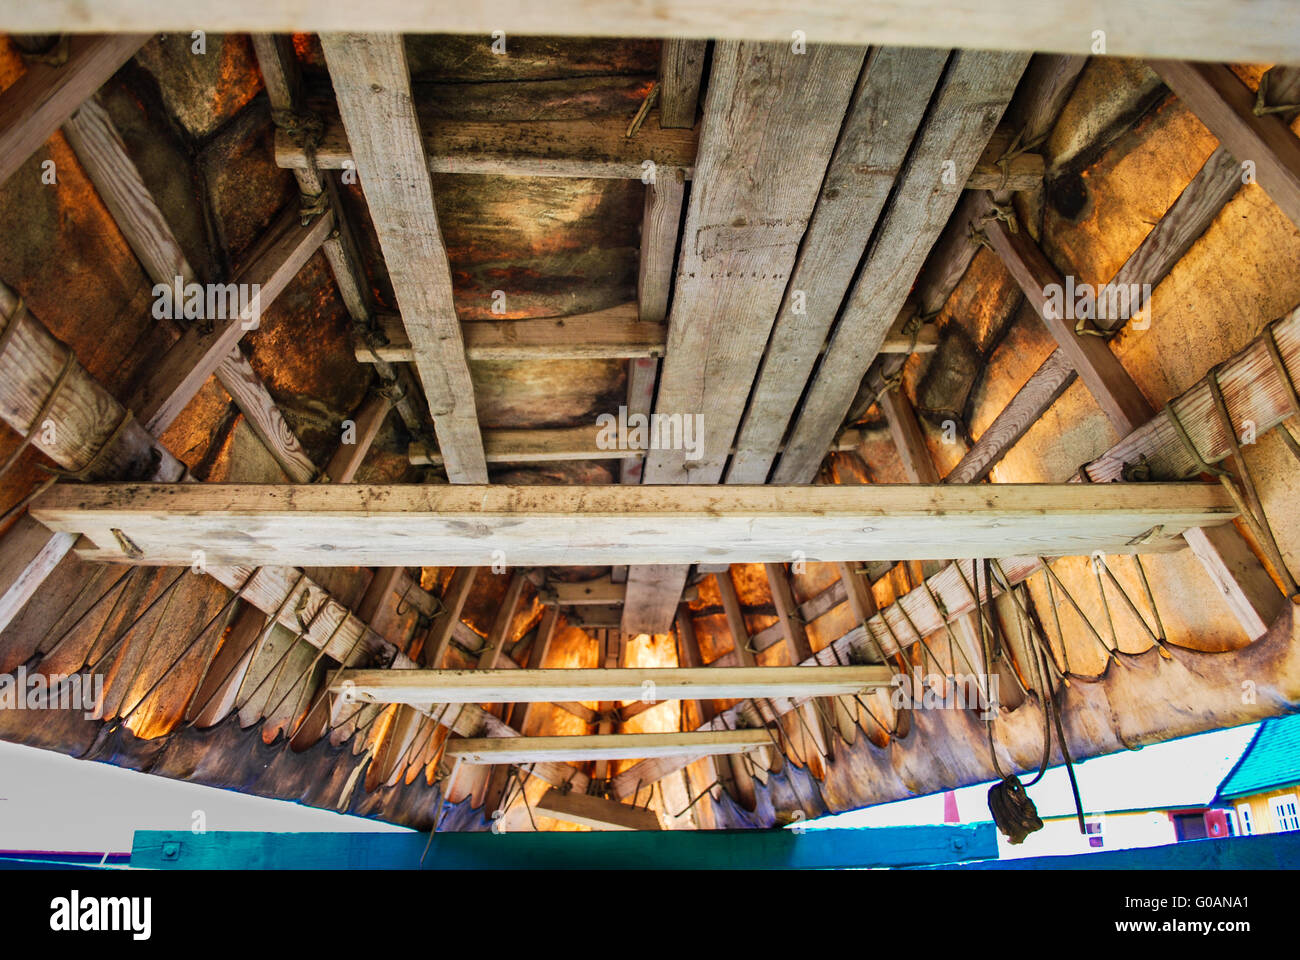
[
  {"x": 1268, "y": 851},
  {"x": 604, "y": 850}
]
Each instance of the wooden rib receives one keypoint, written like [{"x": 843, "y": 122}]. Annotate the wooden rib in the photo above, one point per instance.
[
  {"x": 533, "y": 446},
  {"x": 909, "y": 441},
  {"x": 373, "y": 86},
  {"x": 279, "y": 65},
  {"x": 887, "y": 109},
  {"x": 612, "y": 333},
  {"x": 597, "y": 148},
  {"x": 608, "y": 684},
  {"x": 39, "y": 101},
  {"x": 425, "y": 524},
  {"x": 963, "y": 115},
  {"x": 29, "y": 552},
  {"x": 783, "y": 113},
  {"x": 605, "y": 747},
  {"x": 444, "y": 626},
  {"x": 348, "y": 458},
  {"x": 735, "y": 619},
  {"x": 1244, "y": 30},
  {"x": 281, "y": 253},
  {"x": 599, "y": 813},
  {"x": 490, "y": 655},
  {"x": 1226, "y": 106},
  {"x": 1022, "y": 172},
  {"x": 681, "y": 67}
]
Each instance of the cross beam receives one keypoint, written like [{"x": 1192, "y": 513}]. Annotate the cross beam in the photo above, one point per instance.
[{"x": 606, "y": 746}]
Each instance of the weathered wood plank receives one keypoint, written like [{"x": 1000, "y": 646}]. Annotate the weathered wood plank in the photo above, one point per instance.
[
  {"x": 425, "y": 524},
  {"x": 373, "y": 86},
  {"x": 1226, "y": 106},
  {"x": 681, "y": 67},
  {"x": 348, "y": 458},
  {"x": 782, "y": 111},
  {"x": 612, "y": 333},
  {"x": 887, "y": 109},
  {"x": 39, "y": 101},
  {"x": 444, "y": 625},
  {"x": 963, "y": 115},
  {"x": 611, "y": 746},
  {"x": 599, "y": 813},
  {"x": 533, "y": 446},
  {"x": 610, "y": 684}
]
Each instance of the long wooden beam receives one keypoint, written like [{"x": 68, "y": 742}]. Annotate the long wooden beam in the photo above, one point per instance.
[
  {"x": 39, "y": 101},
  {"x": 598, "y": 813},
  {"x": 373, "y": 84},
  {"x": 604, "y": 334},
  {"x": 423, "y": 524},
  {"x": 613, "y": 684},
  {"x": 1248, "y": 30},
  {"x": 963, "y": 115},
  {"x": 782, "y": 111},
  {"x": 610, "y": 746}
]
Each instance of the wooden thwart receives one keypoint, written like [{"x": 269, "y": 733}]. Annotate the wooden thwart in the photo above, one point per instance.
[
  {"x": 609, "y": 746},
  {"x": 455, "y": 525},
  {"x": 596, "y": 812},
  {"x": 614, "y": 684}
]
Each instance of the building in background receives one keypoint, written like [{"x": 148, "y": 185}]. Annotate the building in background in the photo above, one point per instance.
[{"x": 1263, "y": 786}]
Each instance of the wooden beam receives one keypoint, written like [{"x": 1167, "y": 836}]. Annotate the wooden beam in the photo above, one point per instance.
[
  {"x": 444, "y": 625},
  {"x": 965, "y": 111},
  {"x": 373, "y": 86},
  {"x": 29, "y": 552},
  {"x": 418, "y": 525},
  {"x": 681, "y": 67},
  {"x": 909, "y": 441},
  {"x": 605, "y": 334},
  {"x": 348, "y": 458},
  {"x": 1238, "y": 30},
  {"x": 613, "y": 746},
  {"x": 589, "y": 148},
  {"x": 598, "y": 813},
  {"x": 534, "y": 445},
  {"x": 281, "y": 253},
  {"x": 888, "y": 107},
  {"x": 1024, "y": 171},
  {"x": 583, "y": 593},
  {"x": 490, "y": 655},
  {"x": 39, "y": 101},
  {"x": 782, "y": 112},
  {"x": 610, "y": 684},
  {"x": 1227, "y": 107},
  {"x": 735, "y": 619}
]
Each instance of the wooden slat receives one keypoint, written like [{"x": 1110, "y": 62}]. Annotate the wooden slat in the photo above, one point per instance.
[
  {"x": 610, "y": 684},
  {"x": 283, "y": 250},
  {"x": 612, "y": 746},
  {"x": 348, "y": 458},
  {"x": 599, "y": 813},
  {"x": 782, "y": 113},
  {"x": 1248, "y": 30},
  {"x": 29, "y": 552},
  {"x": 39, "y": 101},
  {"x": 1226, "y": 106},
  {"x": 444, "y": 625},
  {"x": 887, "y": 109},
  {"x": 425, "y": 524},
  {"x": 908, "y": 439},
  {"x": 584, "y": 593},
  {"x": 490, "y": 655},
  {"x": 1024, "y": 171},
  {"x": 540, "y": 445},
  {"x": 681, "y": 67},
  {"x": 612, "y": 333},
  {"x": 965, "y": 111},
  {"x": 373, "y": 86},
  {"x": 598, "y": 148}
]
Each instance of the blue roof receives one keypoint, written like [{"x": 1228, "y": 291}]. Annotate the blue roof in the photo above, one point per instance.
[{"x": 1271, "y": 760}]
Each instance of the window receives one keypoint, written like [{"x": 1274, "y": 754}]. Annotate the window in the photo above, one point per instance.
[
  {"x": 1285, "y": 812},
  {"x": 1246, "y": 826}
]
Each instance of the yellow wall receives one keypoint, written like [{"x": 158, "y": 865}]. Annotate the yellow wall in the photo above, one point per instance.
[{"x": 1261, "y": 812}]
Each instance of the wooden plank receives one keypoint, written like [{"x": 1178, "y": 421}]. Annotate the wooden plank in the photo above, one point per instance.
[
  {"x": 1099, "y": 368},
  {"x": 735, "y": 619},
  {"x": 681, "y": 67},
  {"x": 1024, "y": 171},
  {"x": 612, "y": 746},
  {"x": 887, "y": 109},
  {"x": 373, "y": 86},
  {"x": 348, "y": 458},
  {"x": 283, "y": 250},
  {"x": 29, "y": 552},
  {"x": 534, "y": 445},
  {"x": 610, "y": 684},
  {"x": 963, "y": 115},
  {"x": 598, "y": 813},
  {"x": 425, "y": 524},
  {"x": 490, "y": 655},
  {"x": 584, "y": 593},
  {"x": 1226, "y": 106},
  {"x": 39, "y": 101},
  {"x": 908, "y": 439},
  {"x": 444, "y": 625},
  {"x": 782, "y": 112},
  {"x": 597, "y": 148},
  {"x": 604, "y": 334}
]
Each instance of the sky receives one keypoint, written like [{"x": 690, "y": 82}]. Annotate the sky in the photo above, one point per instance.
[{"x": 53, "y": 802}]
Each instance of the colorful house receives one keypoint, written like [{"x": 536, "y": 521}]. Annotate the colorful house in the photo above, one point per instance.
[{"x": 1263, "y": 787}]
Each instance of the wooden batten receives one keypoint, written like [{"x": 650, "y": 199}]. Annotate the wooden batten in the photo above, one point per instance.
[
  {"x": 599, "y": 813},
  {"x": 613, "y": 746}
]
